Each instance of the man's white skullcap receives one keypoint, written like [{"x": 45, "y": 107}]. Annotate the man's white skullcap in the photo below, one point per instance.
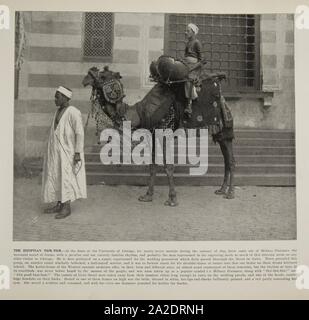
[
  {"x": 193, "y": 27},
  {"x": 66, "y": 92}
]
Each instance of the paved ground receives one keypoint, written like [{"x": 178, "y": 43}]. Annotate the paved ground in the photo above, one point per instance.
[{"x": 114, "y": 214}]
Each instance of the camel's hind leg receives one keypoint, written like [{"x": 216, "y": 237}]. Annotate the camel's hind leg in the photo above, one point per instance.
[
  {"x": 231, "y": 164},
  {"x": 227, "y": 186},
  {"x": 224, "y": 186},
  {"x": 172, "y": 198}
]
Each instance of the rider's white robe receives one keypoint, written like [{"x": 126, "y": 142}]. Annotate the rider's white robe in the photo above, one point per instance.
[{"x": 62, "y": 181}]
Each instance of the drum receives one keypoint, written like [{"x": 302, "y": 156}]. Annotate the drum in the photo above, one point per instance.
[
  {"x": 171, "y": 69},
  {"x": 154, "y": 70}
]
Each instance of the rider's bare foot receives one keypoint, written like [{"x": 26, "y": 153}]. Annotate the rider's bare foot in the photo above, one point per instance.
[
  {"x": 188, "y": 109},
  {"x": 188, "y": 114}
]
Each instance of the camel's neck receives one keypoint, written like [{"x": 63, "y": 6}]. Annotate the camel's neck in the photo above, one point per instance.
[{"x": 132, "y": 115}]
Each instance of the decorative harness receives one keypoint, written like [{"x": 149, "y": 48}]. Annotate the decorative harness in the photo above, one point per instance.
[{"x": 109, "y": 90}]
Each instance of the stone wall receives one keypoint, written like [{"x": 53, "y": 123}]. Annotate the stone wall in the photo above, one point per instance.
[{"x": 53, "y": 57}]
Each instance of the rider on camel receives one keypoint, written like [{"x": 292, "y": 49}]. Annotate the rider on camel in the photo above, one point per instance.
[{"x": 192, "y": 56}]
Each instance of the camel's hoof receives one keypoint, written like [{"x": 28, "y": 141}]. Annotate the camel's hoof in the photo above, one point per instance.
[
  {"x": 171, "y": 203},
  {"x": 230, "y": 195},
  {"x": 145, "y": 198},
  {"x": 220, "y": 191}
]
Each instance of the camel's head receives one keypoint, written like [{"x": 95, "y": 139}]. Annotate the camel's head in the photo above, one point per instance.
[
  {"x": 107, "y": 90},
  {"x": 91, "y": 77}
]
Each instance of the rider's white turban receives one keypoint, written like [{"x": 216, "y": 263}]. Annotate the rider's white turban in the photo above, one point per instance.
[
  {"x": 66, "y": 92},
  {"x": 193, "y": 27}
]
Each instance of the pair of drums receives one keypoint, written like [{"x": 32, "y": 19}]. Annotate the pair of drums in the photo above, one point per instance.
[{"x": 167, "y": 68}]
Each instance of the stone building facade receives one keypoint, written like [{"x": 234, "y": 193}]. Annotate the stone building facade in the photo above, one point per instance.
[{"x": 55, "y": 55}]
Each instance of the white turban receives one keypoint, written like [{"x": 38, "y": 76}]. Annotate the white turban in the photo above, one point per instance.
[
  {"x": 66, "y": 92},
  {"x": 193, "y": 27}
]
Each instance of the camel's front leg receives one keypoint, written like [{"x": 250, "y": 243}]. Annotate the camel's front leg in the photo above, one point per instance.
[
  {"x": 148, "y": 196},
  {"x": 172, "y": 198}
]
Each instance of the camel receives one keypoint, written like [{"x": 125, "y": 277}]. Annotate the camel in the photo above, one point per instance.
[{"x": 162, "y": 108}]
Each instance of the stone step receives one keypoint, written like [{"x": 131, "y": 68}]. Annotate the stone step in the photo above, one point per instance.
[
  {"x": 264, "y": 133},
  {"x": 238, "y": 150},
  {"x": 251, "y": 142},
  {"x": 183, "y": 179},
  {"x": 185, "y": 169},
  {"x": 264, "y": 142},
  {"x": 242, "y": 161},
  {"x": 218, "y": 159},
  {"x": 259, "y": 176},
  {"x": 244, "y": 133}
]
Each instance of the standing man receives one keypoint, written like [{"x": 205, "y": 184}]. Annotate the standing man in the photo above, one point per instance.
[{"x": 64, "y": 177}]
